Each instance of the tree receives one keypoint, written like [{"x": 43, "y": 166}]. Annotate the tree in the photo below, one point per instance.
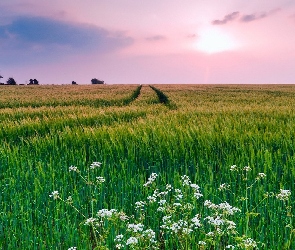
[
  {"x": 11, "y": 81},
  {"x": 73, "y": 82},
  {"x": 96, "y": 81},
  {"x": 1, "y": 83},
  {"x": 33, "y": 82}
]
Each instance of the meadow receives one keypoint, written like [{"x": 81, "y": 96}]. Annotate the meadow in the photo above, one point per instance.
[{"x": 182, "y": 167}]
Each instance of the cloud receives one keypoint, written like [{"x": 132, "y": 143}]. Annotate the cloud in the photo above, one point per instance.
[
  {"x": 156, "y": 38},
  {"x": 257, "y": 16},
  {"x": 252, "y": 17},
  {"x": 228, "y": 18},
  {"x": 44, "y": 31},
  {"x": 39, "y": 36},
  {"x": 244, "y": 18}
]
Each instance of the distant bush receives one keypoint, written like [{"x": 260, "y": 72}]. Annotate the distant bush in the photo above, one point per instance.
[
  {"x": 96, "y": 81},
  {"x": 34, "y": 82},
  {"x": 11, "y": 81}
]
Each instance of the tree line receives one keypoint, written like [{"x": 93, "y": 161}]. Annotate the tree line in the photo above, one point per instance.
[{"x": 11, "y": 81}]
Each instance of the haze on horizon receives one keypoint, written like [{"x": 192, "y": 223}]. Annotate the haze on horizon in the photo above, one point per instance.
[{"x": 148, "y": 42}]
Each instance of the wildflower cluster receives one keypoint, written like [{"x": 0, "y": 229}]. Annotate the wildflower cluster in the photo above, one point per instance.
[
  {"x": 73, "y": 168},
  {"x": 219, "y": 220},
  {"x": 283, "y": 195},
  {"x": 54, "y": 195},
  {"x": 176, "y": 210},
  {"x": 95, "y": 164},
  {"x": 171, "y": 216},
  {"x": 151, "y": 179}
]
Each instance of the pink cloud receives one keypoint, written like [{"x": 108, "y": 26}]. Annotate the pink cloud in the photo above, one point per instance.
[
  {"x": 257, "y": 16},
  {"x": 244, "y": 18},
  {"x": 228, "y": 18}
]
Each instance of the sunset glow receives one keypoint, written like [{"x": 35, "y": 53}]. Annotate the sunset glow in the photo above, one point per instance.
[{"x": 215, "y": 41}]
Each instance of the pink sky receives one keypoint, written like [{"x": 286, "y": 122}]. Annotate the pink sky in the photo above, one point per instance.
[{"x": 148, "y": 42}]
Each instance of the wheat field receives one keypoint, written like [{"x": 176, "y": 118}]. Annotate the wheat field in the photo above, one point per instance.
[{"x": 234, "y": 144}]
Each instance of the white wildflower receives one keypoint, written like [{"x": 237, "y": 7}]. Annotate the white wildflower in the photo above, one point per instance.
[
  {"x": 123, "y": 216},
  {"x": 283, "y": 195},
  {"x": 178, "y": 195},
  {"x": 247, "y": 168},
  {"x": 119, "y": 237},
  {"x": 100, "y": 179},
  {"x": 72, "y": 248},
  {"x": 261, "y": 175},
  {"x": 139, "y": 205},
  {"x": 185, "y": 180},
  {"x": 156, "y": 193},
  {"x": 168, "y": 187},
  {"x": 223, "y": 186},
  {"x": 162, "y": 202},
  {"x": 149, "y": 233},
  {"x": 178, "y": 226},
  {"x": 228, "y": 209},
  {"x": 215, "y": 221},
  {"x": 210, "y": 234},
  {"x": 106, "y": 213},
  {"x": 219, "y": 231},
  {"x": 176, "y": 204},
  {"x": 233, "y": 168},
  {"x": 166, "y": 219},
  {"x": 54, "y": 195},
  {"x": 160, "y": 209},
  {"x": 162, "y": 193},
  {"x": 196, "y": 221},
  {"x": 202, "y": 243},
  {"x": 249, "y": 243},
  {"x": 210, "y": 204},
  {"x": 175, "y": 227},
  {"x": 132, "y": 241},
  {"x": 119, "y": 246},
  {"x": 95, "y": 164},
  {"x": 197, "y": 195},
  {"x": 135, "y": 227},
  {"x": 90, "y": 221},
  {"x": 73, "y": 168},
  {"x": 151, "y": 179},
  {"x": 231, "y": 225},
  {"x": 195, "y": 186},
  {"x": 230, "y": 247},
  {"x": 69, "y": 199},
  {"x": 151, "y": 199}
]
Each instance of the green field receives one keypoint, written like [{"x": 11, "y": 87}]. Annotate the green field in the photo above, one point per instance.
[{"x": 200, "y": 131}]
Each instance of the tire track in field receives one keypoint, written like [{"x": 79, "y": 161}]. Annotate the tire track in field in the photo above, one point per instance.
[
  {"x": 163, "y": 98},
  {"x": 147, "y": 97},
  {"x": 84, "y": 102},
  {"x": 133, "y": 96}
]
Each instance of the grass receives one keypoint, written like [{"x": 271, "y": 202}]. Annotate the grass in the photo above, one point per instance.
[{"x": 46, "y": 129}]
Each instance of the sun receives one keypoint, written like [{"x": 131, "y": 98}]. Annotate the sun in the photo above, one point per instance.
[{"x": 213, "y": 40}]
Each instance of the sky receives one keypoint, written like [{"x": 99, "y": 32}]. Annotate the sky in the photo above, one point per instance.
[{"x": 148, "y": 41}]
